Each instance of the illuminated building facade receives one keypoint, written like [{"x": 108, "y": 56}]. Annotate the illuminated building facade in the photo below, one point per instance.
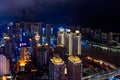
[
  {"x": 4, "y": 65},
  {"x": 77, "y": 43},
  {"x": 25, "y": 57},
  {"x": 74, "y": 68},
  {"x": 61, "y": 37},
  {"x": 57, "y": 67},
  {"x": 69, "y": 42},
  {"x": 25, "y": 54},
  {"x": 51, "y": 31}
]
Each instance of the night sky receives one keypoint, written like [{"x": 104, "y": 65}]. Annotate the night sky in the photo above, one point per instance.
[{"x": 103, "y": 13}]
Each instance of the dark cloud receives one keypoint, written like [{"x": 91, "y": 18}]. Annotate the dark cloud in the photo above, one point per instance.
[
  {"x": 13, "y": 7},
  {"x": 20, "y": 4},
  {"x": 67, "y": 11}
]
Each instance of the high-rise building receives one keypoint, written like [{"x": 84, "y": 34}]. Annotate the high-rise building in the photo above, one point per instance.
[
  {"x": 26, "y": 27},
  {"x": 48, "y": 36},
  {"x": 22, "y": 60},
  {"x": 32, "y": 28},
  {"x": 48, "y": 33},
  {"x": 61, "y": 51},
  {"x": 35, "y": 28},
  {"x": 24, "y": 57},
  {"x": 8, "y": 49},
  {"x": 4, "y": 65},
  {"x": 10, "y": 29},
  {"x": 37, "y": 38},
  {"x": 77, "y": 43},
  {"x": 53, "y": 40},
  {"x": 17, "y": 31},
  {"x": 38, "y": 56},
  {"x": 61, "y": 37},
  {"x": 25, "y": 54},
  {"x": 51, "y": 31},
  {"x": 8, "y": 46},
  {"x": 42, "y": 56},
  {"x": 69, "y": 42},
  {"x": 57, "y": 67},
  {"x": 40, "y": 30},
  {"x": 46, "y": 55},
  {"x": 74, "y": 68}
]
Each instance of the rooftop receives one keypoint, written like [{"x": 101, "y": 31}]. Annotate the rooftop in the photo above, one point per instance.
[
  {"x": 74, "y": 59},
  {"x": 68, "y": 30},
  {"x": 37, "y": 37},
  {"x": 57, "y": 60},
  {"x": 77, "y": 31}
]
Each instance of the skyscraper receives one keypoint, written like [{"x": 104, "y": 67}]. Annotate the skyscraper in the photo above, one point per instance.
[
  {"x": 25, "y": 54},
  {"x": 42, "y": 56},
  {"x": 10, "y": 29},
  {"x": 25, "y": 31},
  {"x": 34, "y": 28},
  {"x": 48, "y": 36},
  {"x": 4, "y": 65},
  {"x": 9, "y": 46},
  {"x": 17, "y": 31},
  {"x": 37, "y": 38},
  {"x": 74, "y": 68},
  {"x": 69, "y": 42},
  {"x": 57, "y": 67},
  {"x": 40, "y": 30},
  {"x": 61, "y": 37},
  {"x": 24, "y": 57},
  {"x": 77, "y": 43},
  {"x": 48, "y": 33},
  {"x": 61, "y": 51}
]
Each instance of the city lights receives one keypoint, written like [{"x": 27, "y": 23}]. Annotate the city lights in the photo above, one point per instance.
[{"x": 31, "y": 49}]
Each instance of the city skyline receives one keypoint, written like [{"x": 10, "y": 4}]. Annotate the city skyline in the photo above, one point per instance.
[
  {"x": 59, "y": 40},
  {"x": 34, "y": 52}
]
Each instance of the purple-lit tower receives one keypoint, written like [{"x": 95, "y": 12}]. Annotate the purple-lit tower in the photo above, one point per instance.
[
  {"x": 4, "y": 65},
  {"x": 57, "y": 67},
  {"x": 74, "y": 68}
]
